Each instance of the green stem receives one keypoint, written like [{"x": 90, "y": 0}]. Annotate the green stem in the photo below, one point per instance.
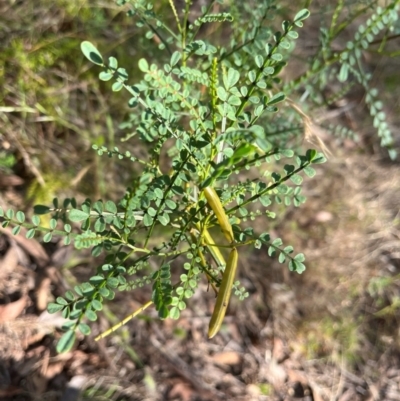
[
  {"x": 173, "y": 179},
  {"x": 270, "y": 188}
]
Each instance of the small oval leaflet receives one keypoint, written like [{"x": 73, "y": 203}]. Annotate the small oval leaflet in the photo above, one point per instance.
[
  {"x": 117, "y": 86},
  {"x": 231, "y": 78},
  {"x": 105, "y": 76},
  {"x": 66, "y": 341},
  {"x": 84, "y": 329},
  {"x": 279, "y": 97},
  {"x": 91, "y": 53},
  {"x": 176, "y": 56},
  {"x": 300, "y": 16},
  {"x": 113, "y": 62},
  {"x": 53, "y": 307},
  {"x": 143, "y": 65},
  {"x": 77, "y": 215}
]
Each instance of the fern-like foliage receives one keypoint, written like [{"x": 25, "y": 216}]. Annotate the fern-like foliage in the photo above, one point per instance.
[
  {"x": 216, "y": 108},
  {"x": 347, "y": 66}
]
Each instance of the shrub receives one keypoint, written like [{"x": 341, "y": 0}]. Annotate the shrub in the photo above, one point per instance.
[{"x": 216, "y": 111}]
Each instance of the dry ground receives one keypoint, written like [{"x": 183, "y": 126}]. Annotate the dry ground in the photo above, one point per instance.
[{"x": 330, "y": 334}]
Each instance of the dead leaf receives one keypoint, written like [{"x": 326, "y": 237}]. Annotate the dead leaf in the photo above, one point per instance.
[
  {"x": 12, "y": 310},
  {"x": 8, "y": 262},
  {"x": 57, "y": 278},
  {"x": 17, "y": 335},
  {"x": 181, "y": 390},
  {"x": 254, "y": 391},
  {"x": 43, "y": 293},
  {"x": 31, "y": 246},
  {"x": 54, "y": 320},
  {"x": 17, "y": 282},
  {"x": 227, "y": 358},
  {"x": 10, "y": 181},
  {"x": 276, "y": 374},
  {"x": 323, "y": 216},
  {"x": 53, "y": 370},
  {"x": 279, "y": 351},
  {"x": 79, "y": 359}
]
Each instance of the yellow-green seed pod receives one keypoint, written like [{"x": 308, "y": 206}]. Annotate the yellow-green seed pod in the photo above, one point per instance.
[
  {"x": 224, "y": 294},
  {"x": 216, "y": 205},
  {"x": 214, "y": 250}
]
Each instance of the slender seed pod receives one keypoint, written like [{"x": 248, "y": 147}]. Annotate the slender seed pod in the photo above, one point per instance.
[
  {"x": 216, "y": 205},
  {"x": 212, "y": 247},
  {"x": 214, "y": 250},
  {"x": 224, "y": 294},
  {"x": 209, "y": 278},
  {"x": 204, "y": 264}
]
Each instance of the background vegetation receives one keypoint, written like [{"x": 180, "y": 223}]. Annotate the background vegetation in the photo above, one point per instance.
[{"x": 331, "y": 333}]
